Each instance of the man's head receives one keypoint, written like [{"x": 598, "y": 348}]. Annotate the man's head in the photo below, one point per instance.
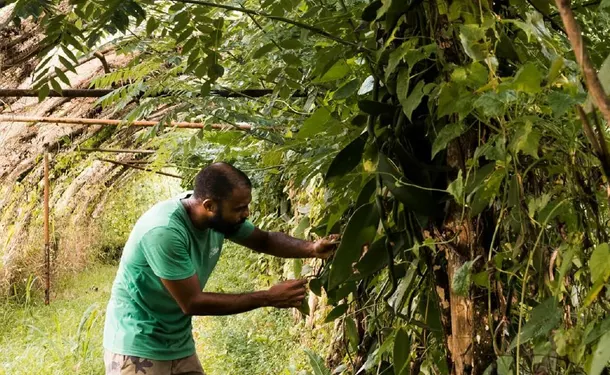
[{"x": 222, "y": 193}]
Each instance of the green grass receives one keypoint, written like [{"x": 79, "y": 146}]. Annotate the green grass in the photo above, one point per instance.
[{"x": 66, "y": 336}]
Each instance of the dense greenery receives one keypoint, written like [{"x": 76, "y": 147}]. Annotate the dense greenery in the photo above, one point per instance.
[{"x": 439, "y": 136}]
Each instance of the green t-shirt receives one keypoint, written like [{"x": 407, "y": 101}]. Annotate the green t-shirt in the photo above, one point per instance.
[{"x": 142, "y": 318}]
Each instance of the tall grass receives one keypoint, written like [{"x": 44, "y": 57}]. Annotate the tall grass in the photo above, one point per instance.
[{"x": 64, "y": 337}]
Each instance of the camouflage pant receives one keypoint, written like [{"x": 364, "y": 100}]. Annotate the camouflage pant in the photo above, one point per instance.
[{"x": 118, "y": 364}]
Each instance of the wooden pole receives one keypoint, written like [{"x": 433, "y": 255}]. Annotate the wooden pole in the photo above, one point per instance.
[
  {"x": 118, "y": 151},
  {"x": 92, "y": 121},
  {"x": 98, "y": 93},
  {"x": 594, "y": 86},
  {"x": 47, "y": 245},
  {"x": 140, "y": 168}
]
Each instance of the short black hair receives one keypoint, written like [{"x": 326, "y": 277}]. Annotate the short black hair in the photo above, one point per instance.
[{"x": 218, "y": 180}]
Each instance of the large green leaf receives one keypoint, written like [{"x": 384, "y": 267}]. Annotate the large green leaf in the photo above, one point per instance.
[
  {"x": 402, "y": 352},
  {"x": 600, "y": 263},
  {"x": 600, "y": 356},
  {"x": 528, "y": 79},
  {"x": 448, "y": 133},
  {"x": 317, "y": 363},
  {"x": 339, "y": 70},
  {"x": 360, "y": 230},
  {"x": 348, "y": 158},
  {"x": 336, "y": 312},
  {"x": 413, "y": 197},
  {"x": 321, "y": 121},
  {"x": 543, "y": 319},
  {"x": 462, "y": 279},
  {"x": 374, "y": 259},
  {"x": 375, "y": 108}
]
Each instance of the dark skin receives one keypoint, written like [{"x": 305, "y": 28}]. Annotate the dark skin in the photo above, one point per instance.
[{"x": 235, "y": 209}]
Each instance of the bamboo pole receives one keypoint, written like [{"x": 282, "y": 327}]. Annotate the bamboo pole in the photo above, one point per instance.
[
  {"x": 140, "y": 168},
  {"x": 92, "y": 121},
  {"x": 47, "y": 256},
  {"x": 118, "y": 151},
  {"x": 98, "y": 93},
  {"x": 600, "y": 99}
]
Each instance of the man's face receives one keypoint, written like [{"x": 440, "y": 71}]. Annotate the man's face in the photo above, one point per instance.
[{"x": 232, "y": 212}]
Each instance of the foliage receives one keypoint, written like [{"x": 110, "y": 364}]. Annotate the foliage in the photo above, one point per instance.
[{"x": 452, "y": 120}]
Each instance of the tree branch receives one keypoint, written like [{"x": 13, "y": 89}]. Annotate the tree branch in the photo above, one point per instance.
[
  {"x": 581, "y": 6},
  {"x": 594, "y": 86},
  {"x": 274, "y": 18}
]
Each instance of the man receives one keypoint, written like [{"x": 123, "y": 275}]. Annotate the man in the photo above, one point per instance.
[{"x": 166, "y": 263}]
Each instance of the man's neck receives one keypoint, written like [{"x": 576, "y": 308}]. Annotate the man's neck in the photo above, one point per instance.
[{"x": 189, "y": 205}]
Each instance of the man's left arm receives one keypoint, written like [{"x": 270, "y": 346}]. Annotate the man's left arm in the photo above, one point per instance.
[{"x": 284, "y": 246}]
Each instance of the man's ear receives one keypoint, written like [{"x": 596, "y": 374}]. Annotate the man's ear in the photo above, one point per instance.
[{"x": 210, "y": 205}]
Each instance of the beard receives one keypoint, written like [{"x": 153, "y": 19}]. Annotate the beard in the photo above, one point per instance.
[{"x": 223, "y": 226}]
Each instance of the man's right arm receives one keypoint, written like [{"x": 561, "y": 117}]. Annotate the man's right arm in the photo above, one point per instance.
[{"x": 193, "y": 301}]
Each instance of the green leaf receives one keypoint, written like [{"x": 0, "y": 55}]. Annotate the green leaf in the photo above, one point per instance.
[
  {"x": 543, "y": 319},
  {"x": 488, "y": 192},
  {"x": 402, "y": 352},
  {"x": 528, "y": 79},
  {"x": 397, "y": 55},
  {"x": 360, "y": 230},
  {"x": 374, "y": 260},
  {"x": 600, "y": 356},
  {"x": 446, "y": 135},
  {"x": 410, "y": 103},
  {"x": 370, "y": 12},
  {"x": 61, "y": 75},
  {"x": 264, "y": 50},
  {"x": 374, "y": 108},
  {"x": 366, "y": 193},
  {"x": 561, "y": 102},
  {"x": 346, "y": 90},
  {"x": 461, "y": 278},
  {"x": 337, "y": 312},
  {"x": 604, "y": 4},
  {"x": 56, "y": 86},
  {"x": 490, "y": 104},
  {"x": 43, "y": 92},
  {"x": 339, "y": 70},
  {"x": 352, "y": 332},
  {"x": 67, "y": 64},
  {"x": 320, "y": 122},
  {"x": 456, "y": 189},
  {"x": 315, "y": 285},
  {"x": 527, "y": 140},
  {"x": 454, "y": 98},
  {"x": 504, "y": 364},
  {"x": 317, "y": 363},
  {"x": 151, "y": 25},
  {"x": 188, "y": 45},
  {"x": 473, "y": 40},
  {"x": 413, "y": 197},
  {"x": 291, "y": 59},
  {"x": 291, "y": 44},
  {"x": 600, "y": 263},
  {"x": 348, "y": 158}
]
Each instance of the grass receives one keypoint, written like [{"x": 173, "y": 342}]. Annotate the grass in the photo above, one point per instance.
[{"x": 66, "y": 336}]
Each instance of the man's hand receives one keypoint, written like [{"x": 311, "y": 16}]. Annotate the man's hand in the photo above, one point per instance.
[
  {"x": 287, "y": 294},
  {"x": 325, "y": 247}
]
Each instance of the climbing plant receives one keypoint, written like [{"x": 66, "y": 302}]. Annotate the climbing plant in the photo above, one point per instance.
[{"x": 472, "y": 202}]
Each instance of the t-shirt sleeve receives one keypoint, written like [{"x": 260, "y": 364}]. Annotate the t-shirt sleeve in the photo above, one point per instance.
[
  {"x": 244, "y": 231},
  {"x": 167, "y": 254}
]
